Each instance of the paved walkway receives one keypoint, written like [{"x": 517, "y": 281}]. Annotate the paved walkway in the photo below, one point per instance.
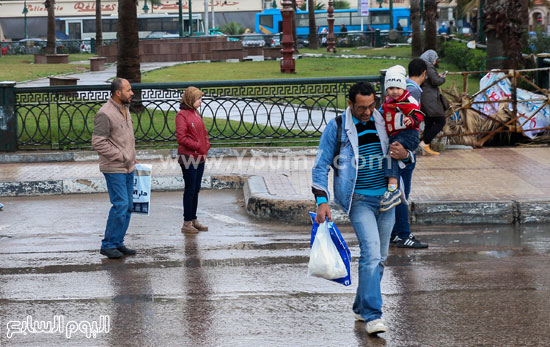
[{"x": 489, "y": 174}]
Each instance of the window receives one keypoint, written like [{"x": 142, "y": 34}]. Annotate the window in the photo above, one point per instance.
[
  {"x": 60, "y": 25},
  {"x": 109, "y": 25},
  {"x": 88, "y": 26},
  {"x": 377, "y": 19},
  {"x": 266, "y": 21}
]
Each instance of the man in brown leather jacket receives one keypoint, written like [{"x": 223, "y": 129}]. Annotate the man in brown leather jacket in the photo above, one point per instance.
[{"x": 114, "y": 141}]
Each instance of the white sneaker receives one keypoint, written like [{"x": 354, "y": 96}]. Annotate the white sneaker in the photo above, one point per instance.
[
  {"x": 358, "y": 317},
  {"x": 376, "y": 326}
]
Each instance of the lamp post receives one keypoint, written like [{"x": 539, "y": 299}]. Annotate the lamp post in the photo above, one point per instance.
[
  {"x": 190, "y": 20},
  {"x": 145, "y": 7},
  {"x": 288, "y": 64},
  {"x": 180, "y": 19},
  {"x": 379, "y": 3},
  {"x": 25, "y": 11},
  {"x": 330, "y": 37}
]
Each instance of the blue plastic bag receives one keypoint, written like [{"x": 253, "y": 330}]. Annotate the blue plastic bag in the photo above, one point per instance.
[{"x": 340, "y": 244}]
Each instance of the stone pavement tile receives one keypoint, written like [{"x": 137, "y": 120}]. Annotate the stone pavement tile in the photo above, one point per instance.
[{"x": 481, "y": 174}]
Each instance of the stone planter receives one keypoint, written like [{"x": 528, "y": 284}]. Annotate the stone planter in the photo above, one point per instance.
[
  {"x": 97, "y": 63},
  {"x": 40, "y": 58},
  {"x": 272, "y": 52},
  {"x": 57, "y": 58}
]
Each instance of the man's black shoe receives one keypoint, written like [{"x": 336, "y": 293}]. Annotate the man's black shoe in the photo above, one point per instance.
[
  {"x": 126, "y": 251},
  {"x": 394, "y": 240},
  {"x": 411, "y": 242},
  {"x": 111, "y": 253}
]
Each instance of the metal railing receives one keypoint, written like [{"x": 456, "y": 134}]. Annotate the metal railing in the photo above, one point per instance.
[{"x": 235, "y": 112}]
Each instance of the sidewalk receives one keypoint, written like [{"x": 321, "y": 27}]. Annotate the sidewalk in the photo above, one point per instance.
[{"x": 490, "y": 185}]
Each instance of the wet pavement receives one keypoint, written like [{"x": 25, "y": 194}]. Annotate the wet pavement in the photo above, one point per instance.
[{"x": 244, "y": 283}]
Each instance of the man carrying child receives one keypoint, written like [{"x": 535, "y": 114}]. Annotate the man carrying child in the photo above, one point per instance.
[{"x": 402, "y": 117}]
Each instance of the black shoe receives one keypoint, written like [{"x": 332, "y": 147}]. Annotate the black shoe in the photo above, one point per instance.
[
  {"x": 126, "y": 251},
  {"x": 411, "y": 242},
  {"x": 395, "y": 240},
  {"x": 111, "y": 253}
]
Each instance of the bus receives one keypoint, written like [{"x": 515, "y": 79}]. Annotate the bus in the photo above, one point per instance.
[
  {"x": 269, "y": 22},
  {"x": 83, "y": 28}
]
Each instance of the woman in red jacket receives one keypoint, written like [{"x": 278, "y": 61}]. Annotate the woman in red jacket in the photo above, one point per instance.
[{"x": 193, "y": 145}]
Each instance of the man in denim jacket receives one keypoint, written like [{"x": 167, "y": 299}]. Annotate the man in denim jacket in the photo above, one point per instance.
[{"x": 359, "y": 185}]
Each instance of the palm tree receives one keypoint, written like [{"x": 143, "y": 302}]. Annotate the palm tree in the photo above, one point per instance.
[
  {"x": 128, "y": 60},
  {"x": 505, "y": 25},
  {"x": 313, "y": 44},
  {"x": 50, "y": 45},
  {"x": 415, "y": 23},
  {"x": 430, "y": 23},
  {"x": 98, "y": 28}
]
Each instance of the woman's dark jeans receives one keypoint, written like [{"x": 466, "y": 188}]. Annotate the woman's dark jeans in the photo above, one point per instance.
[{"x": 192, "y": 176}]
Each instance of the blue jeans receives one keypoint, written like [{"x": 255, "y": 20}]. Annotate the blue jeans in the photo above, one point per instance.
[
  {"x": 373, "y": 229},
  {"x": 409, "y": 139},
  {"x": 402, "y": 227},
  {"x": 192, "y": 176},
  {"x": 121, "y": 188}
]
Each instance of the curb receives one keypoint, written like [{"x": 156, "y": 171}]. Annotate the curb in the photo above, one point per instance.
[
  {"x": 260, "y": 203},
  {"x": 97, "y": 185}
]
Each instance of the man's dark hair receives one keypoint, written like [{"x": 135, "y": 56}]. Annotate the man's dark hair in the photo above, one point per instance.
[
  {"x": 363, "y": 88},
  {"x": 416, "y": 67},
  {"x": 116, "y": 85}
]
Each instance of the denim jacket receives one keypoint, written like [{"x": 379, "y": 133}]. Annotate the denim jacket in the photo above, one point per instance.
[{"x": 347, "y": 161}]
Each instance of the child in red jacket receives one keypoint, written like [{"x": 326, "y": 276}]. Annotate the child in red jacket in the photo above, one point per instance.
[{"x": 402, "y": 116}]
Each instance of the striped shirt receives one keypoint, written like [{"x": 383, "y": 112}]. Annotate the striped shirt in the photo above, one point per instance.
[{"x": 371, "y": 179}]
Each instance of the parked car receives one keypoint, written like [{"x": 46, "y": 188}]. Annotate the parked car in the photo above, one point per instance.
[
  {"x": 273, "y": 41},
  {"x": 253, "y": 40}
]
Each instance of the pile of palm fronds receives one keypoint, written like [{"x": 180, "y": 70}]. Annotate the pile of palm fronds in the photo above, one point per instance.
[{"x": 466, "y": 126}]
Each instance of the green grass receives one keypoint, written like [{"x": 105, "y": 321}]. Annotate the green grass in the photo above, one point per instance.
[
  {"x": 22, "y": 68},
  {"x": 305, "y": 68}
]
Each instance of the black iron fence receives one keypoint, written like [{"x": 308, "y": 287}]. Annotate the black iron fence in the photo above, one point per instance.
[{"x": 235, "y": 112}]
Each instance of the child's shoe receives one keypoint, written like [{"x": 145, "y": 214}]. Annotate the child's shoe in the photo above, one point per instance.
[{"x": 391, "y": 199}]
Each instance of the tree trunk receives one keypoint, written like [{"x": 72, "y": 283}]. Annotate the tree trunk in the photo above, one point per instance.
[
  {"x": 98, "y": 28},
  {"x": 313, "y": 44},
  {"x": 505, "y": 24},
  {"x": 415, "y": 23},
  {"x": 430, "y": 24},
  {"x": 128, "y": 60},
  {"x": 50, "y": 45}
]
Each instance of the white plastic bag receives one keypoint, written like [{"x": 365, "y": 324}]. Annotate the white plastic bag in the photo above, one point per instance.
[{"x": 324, "y": 259}]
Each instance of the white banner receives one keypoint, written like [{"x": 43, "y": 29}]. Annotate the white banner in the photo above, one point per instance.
[
  {"x": 526, "y": 109},
  {"x": 364, "y": 5}
]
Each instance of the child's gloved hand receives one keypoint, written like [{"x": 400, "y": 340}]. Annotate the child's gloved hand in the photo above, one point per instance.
[{"x": 408, "y": 121}]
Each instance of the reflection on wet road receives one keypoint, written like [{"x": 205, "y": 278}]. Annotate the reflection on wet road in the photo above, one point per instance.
[{"x": 243, "y": 283}]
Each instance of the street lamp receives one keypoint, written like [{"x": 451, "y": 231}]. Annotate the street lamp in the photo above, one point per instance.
[
  {"x": 145, "y": 7},
  {"x": 25, "y": 11},
  {"x": 379, "y": 3},
  {"x": 190, "y": 20},
  {"x": 180, "y": 19}
]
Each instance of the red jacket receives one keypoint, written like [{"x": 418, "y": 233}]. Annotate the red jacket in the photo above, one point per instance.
[
  {"x": 192, "y": 135},
  {"x": 395, "y": 112}
]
